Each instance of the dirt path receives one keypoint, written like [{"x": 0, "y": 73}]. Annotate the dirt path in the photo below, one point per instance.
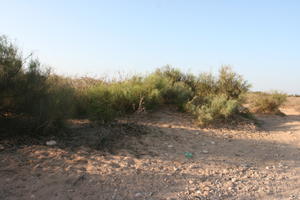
[{"x": 225, "y": 164}]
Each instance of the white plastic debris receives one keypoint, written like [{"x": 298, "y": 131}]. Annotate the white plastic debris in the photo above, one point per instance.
[
  {"x": 205, "y": 151},
  {"x": 51, "y": 142}
]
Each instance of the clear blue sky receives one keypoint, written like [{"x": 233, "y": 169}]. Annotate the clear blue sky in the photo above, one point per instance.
[{"x": 259, "y": 38}]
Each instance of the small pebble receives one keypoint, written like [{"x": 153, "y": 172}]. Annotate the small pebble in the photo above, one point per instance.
[{"x": 138, "y": 194}]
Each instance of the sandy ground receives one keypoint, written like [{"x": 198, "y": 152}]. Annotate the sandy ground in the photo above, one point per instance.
[{"x": 148, "y": 161}]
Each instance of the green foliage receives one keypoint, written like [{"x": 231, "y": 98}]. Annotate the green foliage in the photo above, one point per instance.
[
  {"x": 177, "y": 94},
  {"x": 231, "y": 84},
  {"x": 266, "y": 103},
  {"x": 29, "y": 93},
  {"x": 109, "y": 100},
  {"x": 33, "y": 94},
  {"x": 60, "y": 98},
  {"x": 213, "y": 109},
  {"x": 206, "y": 85},
  {"x": 175, "y": 75},
  {"x": 218, "y": 98},
  {"x": 227, "y": 83}
]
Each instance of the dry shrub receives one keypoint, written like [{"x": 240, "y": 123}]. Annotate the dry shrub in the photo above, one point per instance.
[{"x": 266, "y": 103}]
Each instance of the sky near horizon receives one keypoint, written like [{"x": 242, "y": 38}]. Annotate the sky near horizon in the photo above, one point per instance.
[{"x": 260, "y": 39}]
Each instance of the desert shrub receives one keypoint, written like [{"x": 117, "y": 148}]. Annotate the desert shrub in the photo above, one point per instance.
[
  {"x": 20, "y": 84},
  {"x": 206, "y": 85},
  {"x": 294, "y": 95},
  {"x": 177, "y": 94},
  {"x": 218, "y": 98},
  {"x": 231, "y": 84},
  {"x": 153, "y": 85},
  {"x": 109, "y": 100},
  {"x": 81, "y": 87},
  {"x": 100, "y": 104},
  {"x": 227, "y": 83},
  {"x": 175, "y": 75},
  {"x": 266, "y": 103},
  {"x": 212, "y": 109},
  {"x": 60, "y": 98},
  {"x": 28, "y": 93}
]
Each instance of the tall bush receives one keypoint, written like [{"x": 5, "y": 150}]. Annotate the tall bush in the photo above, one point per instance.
[
  {"x": 27, "y": 92},
  {"x": 218, "y": 98},
  {"x": 231, "y": 84},
  {"x": 213, "y": 109}
]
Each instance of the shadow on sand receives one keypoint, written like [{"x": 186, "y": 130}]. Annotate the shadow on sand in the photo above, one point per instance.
[{"x": 141, "y": 159}]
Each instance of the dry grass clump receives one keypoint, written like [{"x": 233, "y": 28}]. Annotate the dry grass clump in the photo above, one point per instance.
[
  {"x": 292, "y": 102},
  {"x": 266, "y": 103}
]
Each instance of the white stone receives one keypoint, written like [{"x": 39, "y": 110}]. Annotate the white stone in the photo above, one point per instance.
[{"x": 138, "y": 194}]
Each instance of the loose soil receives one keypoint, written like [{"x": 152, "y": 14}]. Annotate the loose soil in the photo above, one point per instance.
[{"x": 149, "y": 159}]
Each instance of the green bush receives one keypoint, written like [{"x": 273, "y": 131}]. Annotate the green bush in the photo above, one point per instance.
[
  {"x": 177, "y": 94},
  {"x": 206, "y": 85},
  {"x": 175, "y": 75},
  {"x": 218, "y": 98},
  {"x": 109, "y": 100},
  {"x": 266, "y": 103},
  {"x": 100, "y": 104},
  {"x": 28, "y": 93},
  {"x": 60, "y": 98},
  {"x": 227, "y": 83},
  {"x": 212, "y": 109},
  {"x": 231, "y": 84},
  {"x": 81, "y": 86},
  {"x": 36, "y": 95}
]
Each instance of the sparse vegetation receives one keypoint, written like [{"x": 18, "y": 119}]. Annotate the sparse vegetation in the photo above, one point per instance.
[
  {"x": 35, "y": 95},
  {"x": 266, "y": 103}
]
